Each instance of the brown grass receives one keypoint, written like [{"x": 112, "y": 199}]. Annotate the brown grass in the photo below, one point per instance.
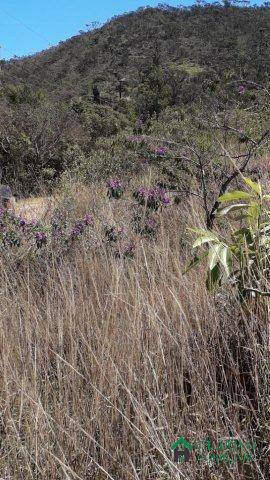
[{"x": 105, "y": 362}]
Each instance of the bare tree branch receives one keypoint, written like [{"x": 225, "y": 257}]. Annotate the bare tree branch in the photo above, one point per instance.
[{"x": 211, "y": 217}]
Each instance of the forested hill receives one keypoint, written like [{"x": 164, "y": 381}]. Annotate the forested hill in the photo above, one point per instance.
[
  {"x": 143, "y": 72},
  {"x": 221, "y": 41}
]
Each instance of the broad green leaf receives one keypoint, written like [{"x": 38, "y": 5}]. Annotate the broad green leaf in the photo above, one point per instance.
[
  {"x": 256, "y": 187},
  {"x": 214, "y": 255},
  {"x": 231, "y": 208},
  {"x": 266, "y": 197},
  {"x": 226, "y": 259},
  {"x": 213, "y": 276},
  {"x": 235, "y": 195},
  {"x": 254, "y": 211},
  {"x": 201, "y": 240}
]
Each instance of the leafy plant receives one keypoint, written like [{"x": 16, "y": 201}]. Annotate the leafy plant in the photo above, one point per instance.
[{"x": 241, "y": 256}]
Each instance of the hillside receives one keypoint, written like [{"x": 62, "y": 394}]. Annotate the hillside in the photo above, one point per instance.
[
  {"x": 62, "y": 108},
  {"x": 232, "y": 42}
]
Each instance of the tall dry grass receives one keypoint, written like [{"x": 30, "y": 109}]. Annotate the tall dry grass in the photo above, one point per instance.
[{"x": 106, "y": 361}]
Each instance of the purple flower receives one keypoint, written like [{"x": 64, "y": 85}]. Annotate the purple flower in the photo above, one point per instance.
[
  {"x": 114, "y": 183},
  {"x": 59, "y": 232},
  {"x": 166, "y": 200},
  {"x": 78, "y": 229},
  {"x": 143, "y": 192},
  {"x": 75, "y": 232},
  {"x": 41, "y": 239},
  {"x": 88, "y": 219},
  {"x": 152, "y": 197},
  {"x": 22, "y": 222},
  {"x": 159, "y": 151},
  {"x": 151, "y": 222},
  {"x": 79, "y": 226},
  {"x": 115, "y": 188},
  {"x": 40, "y": 236},
  {"x": 241, "y": 89}
]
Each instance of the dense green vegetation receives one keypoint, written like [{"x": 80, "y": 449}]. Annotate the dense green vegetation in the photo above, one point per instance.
[
  {"x": 139, "y": 73},
  {"x": 221, "y": 42}
]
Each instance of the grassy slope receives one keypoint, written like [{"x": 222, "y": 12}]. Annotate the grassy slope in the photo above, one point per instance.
[{"x": 105, "y": 362}]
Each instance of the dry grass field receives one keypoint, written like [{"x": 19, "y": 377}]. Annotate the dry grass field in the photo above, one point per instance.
[{"x": 106, "y": 361}]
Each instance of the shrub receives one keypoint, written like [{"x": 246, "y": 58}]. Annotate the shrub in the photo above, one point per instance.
[
  {"x": 241, "y": 257},
  {"x": 115, "y": 188},
  {"x": 152, "y": 198}
]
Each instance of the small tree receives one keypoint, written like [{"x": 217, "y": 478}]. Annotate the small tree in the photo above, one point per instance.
[
  {"x": 243, "y": 256},
  {"x": 153, "y": 93}
]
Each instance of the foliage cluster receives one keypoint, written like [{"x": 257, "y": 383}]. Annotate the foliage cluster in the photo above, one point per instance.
[{"x": 173, "y": 63}]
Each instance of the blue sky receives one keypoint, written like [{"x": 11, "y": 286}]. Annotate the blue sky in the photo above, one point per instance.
[{"x": 28, "y": 26}]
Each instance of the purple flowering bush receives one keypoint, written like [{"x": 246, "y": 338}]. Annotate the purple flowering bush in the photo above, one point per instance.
[
  {"x": 146, "y": 225},
  {"x": 115, "y": 188},
  {"x": 12, "y": 229},
  {"x": 67, "y": 232},
  {"x": 241, "y": 89},
  {"x": 41, "y": 239},
  {"x": 17, "y": 231},
  {"x": 152, "y": 198},
  {"x": 143, "y": 143},
  {"x": 158, "y": 151},
  {"x": 60, "y": 233}
]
